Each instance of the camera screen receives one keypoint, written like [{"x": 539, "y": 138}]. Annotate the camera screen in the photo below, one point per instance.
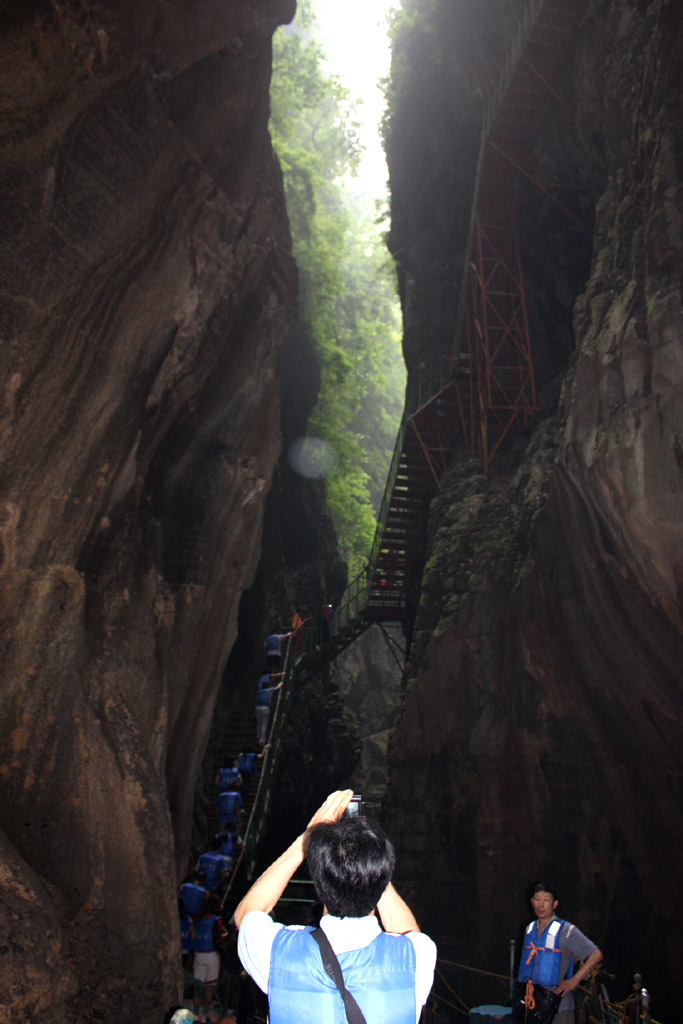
[{"x": 355, "y": 808}]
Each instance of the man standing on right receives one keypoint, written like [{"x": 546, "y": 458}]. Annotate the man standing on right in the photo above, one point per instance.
[{"x": 551, "y": 946}]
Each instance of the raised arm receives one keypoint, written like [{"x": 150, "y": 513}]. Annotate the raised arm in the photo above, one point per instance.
[
  {"x": 267, "y": 890},
  {"x": 395, "y": 914}
]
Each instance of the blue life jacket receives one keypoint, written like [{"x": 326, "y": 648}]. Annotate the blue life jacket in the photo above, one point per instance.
[
  {"x": 227, "y": 805},
  {"x": 542, "y": 956},
  {"x": 186, "y": 933},
  {"x": 203, "y": 935},
  {"x": 226, "y": 776},
  {"x": 212, "y": 864},
  {"x": 246, "y": 763},
  {"x": 380, "y": 976},
  {"x": 229, "y": 844},
  {"x": 272, "y": 644},
  {"x": 263, "y": 698},
  {"x": 192, "y": 896}
]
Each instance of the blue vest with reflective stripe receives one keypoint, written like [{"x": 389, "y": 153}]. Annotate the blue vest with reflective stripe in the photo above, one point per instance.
[
  {"x": 192, "y": 897},
  {"x": 380, "y": 977},
  {"x": 186, "y": 933},
  {"x": 227, "y": 805},
  {"x": 246, "y": 762},
  {"x": 203, "y": 935},
  {"x": 226, "y": 776},
  {"x": 542, "y": 956},
  {"x": 229, "y": 844},
  {"x": 213, "y": 865}
]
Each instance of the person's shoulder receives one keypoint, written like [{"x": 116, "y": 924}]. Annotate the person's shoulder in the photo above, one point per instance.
[
  {"x": 420, "y": 939},
  {"x": 425, "y": 948},
  {"x": 257, "y": 922}
]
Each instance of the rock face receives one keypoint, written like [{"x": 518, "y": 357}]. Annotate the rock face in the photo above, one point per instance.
[
  {"x": 542, "y": 708},
  {"x": 147, "y": 284}
]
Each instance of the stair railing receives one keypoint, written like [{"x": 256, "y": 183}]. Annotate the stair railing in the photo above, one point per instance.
[{"x": 258, "y": 816}]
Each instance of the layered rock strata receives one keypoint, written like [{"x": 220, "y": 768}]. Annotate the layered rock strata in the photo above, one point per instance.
[
  {"x": 543, "y": 701},
  {"x": 147, "y": 284}
]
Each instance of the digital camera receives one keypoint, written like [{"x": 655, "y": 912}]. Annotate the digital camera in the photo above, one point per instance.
[{"x": 355, "y": 808}]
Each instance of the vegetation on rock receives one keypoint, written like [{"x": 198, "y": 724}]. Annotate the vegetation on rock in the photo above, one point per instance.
[{"x": 347, "y": 304}]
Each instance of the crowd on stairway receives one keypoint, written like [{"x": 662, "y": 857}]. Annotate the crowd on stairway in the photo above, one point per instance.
[
  {"x": 214, "y": 979},
  {"x": 241, "y": 965},
  {"x": 212, "y": 973}
]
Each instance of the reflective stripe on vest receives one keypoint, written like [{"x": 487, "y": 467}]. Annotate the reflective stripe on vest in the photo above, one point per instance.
[
  {"x": 380, "y": 976},
  {"x": 228, "y": 804},
  {"x": 226, "y": 776},
  {"x": 542, "y": 959}
]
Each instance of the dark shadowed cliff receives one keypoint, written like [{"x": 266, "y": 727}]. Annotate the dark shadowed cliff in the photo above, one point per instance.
[
  {"x": 542, "y": 711},
  {"x": 147, "y": 291},
  {"x": 147, "y": 284}
]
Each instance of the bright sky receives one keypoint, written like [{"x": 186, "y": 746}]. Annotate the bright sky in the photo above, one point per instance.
[{"x": 355, "y": 39}]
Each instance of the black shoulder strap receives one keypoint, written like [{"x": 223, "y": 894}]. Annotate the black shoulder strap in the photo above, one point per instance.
[{"x": 354, "y": 1014}]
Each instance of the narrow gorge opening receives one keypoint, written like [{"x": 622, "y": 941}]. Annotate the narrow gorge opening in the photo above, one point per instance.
[{"x": 212, "y": 395}]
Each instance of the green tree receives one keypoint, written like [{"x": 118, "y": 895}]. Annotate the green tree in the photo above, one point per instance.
[{"x": 348, "y": 298}]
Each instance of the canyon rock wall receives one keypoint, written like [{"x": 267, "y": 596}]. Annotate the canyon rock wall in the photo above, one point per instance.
[
  {"x": 147, "y": 284},
  {"x": 542, "y": 706}
]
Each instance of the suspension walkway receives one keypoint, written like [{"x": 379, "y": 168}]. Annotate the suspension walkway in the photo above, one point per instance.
[{"x": 474, "y": 397}]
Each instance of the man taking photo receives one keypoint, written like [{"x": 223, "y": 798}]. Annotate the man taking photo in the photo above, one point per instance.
[{"x": 388, "y": 973}]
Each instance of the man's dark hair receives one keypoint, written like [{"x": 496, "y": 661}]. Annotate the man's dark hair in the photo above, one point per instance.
[
  {"x": 545, "y": 887},
  {"x": 351, "y": 863}
]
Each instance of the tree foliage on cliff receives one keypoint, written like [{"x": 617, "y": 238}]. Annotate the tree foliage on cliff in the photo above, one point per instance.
[{"x": 347, "y": 291}]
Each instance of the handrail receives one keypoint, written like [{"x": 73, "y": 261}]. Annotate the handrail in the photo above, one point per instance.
[{"x": 256, "y": 824}]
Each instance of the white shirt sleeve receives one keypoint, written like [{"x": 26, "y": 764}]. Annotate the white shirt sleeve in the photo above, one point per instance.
[
  {"x": 425, "y": 962},
  {"x": 254, "y": 943}
]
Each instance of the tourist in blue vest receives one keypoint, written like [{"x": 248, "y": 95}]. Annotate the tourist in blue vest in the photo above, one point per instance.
[
  {"x": 194, "y": 894},
  {"x": 230, "y": 845},
  {"x": 264, "y": 696},
  {"x": 227, "y": 774},
  {"x": 229, "y": 807},
  {"x": 214, "y": 866},
  {"x": 389, "y": 973},
  {"x": 551, "y": 946},
  {"x": 273, "y": 648},
  {"x": 208, "y": 937},
  {"x": 248, "y": 765},
  {"x": 186, "y": 933}
]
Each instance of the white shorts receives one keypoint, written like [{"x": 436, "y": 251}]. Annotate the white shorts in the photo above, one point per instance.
[{"x": 206, "y": 967}]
